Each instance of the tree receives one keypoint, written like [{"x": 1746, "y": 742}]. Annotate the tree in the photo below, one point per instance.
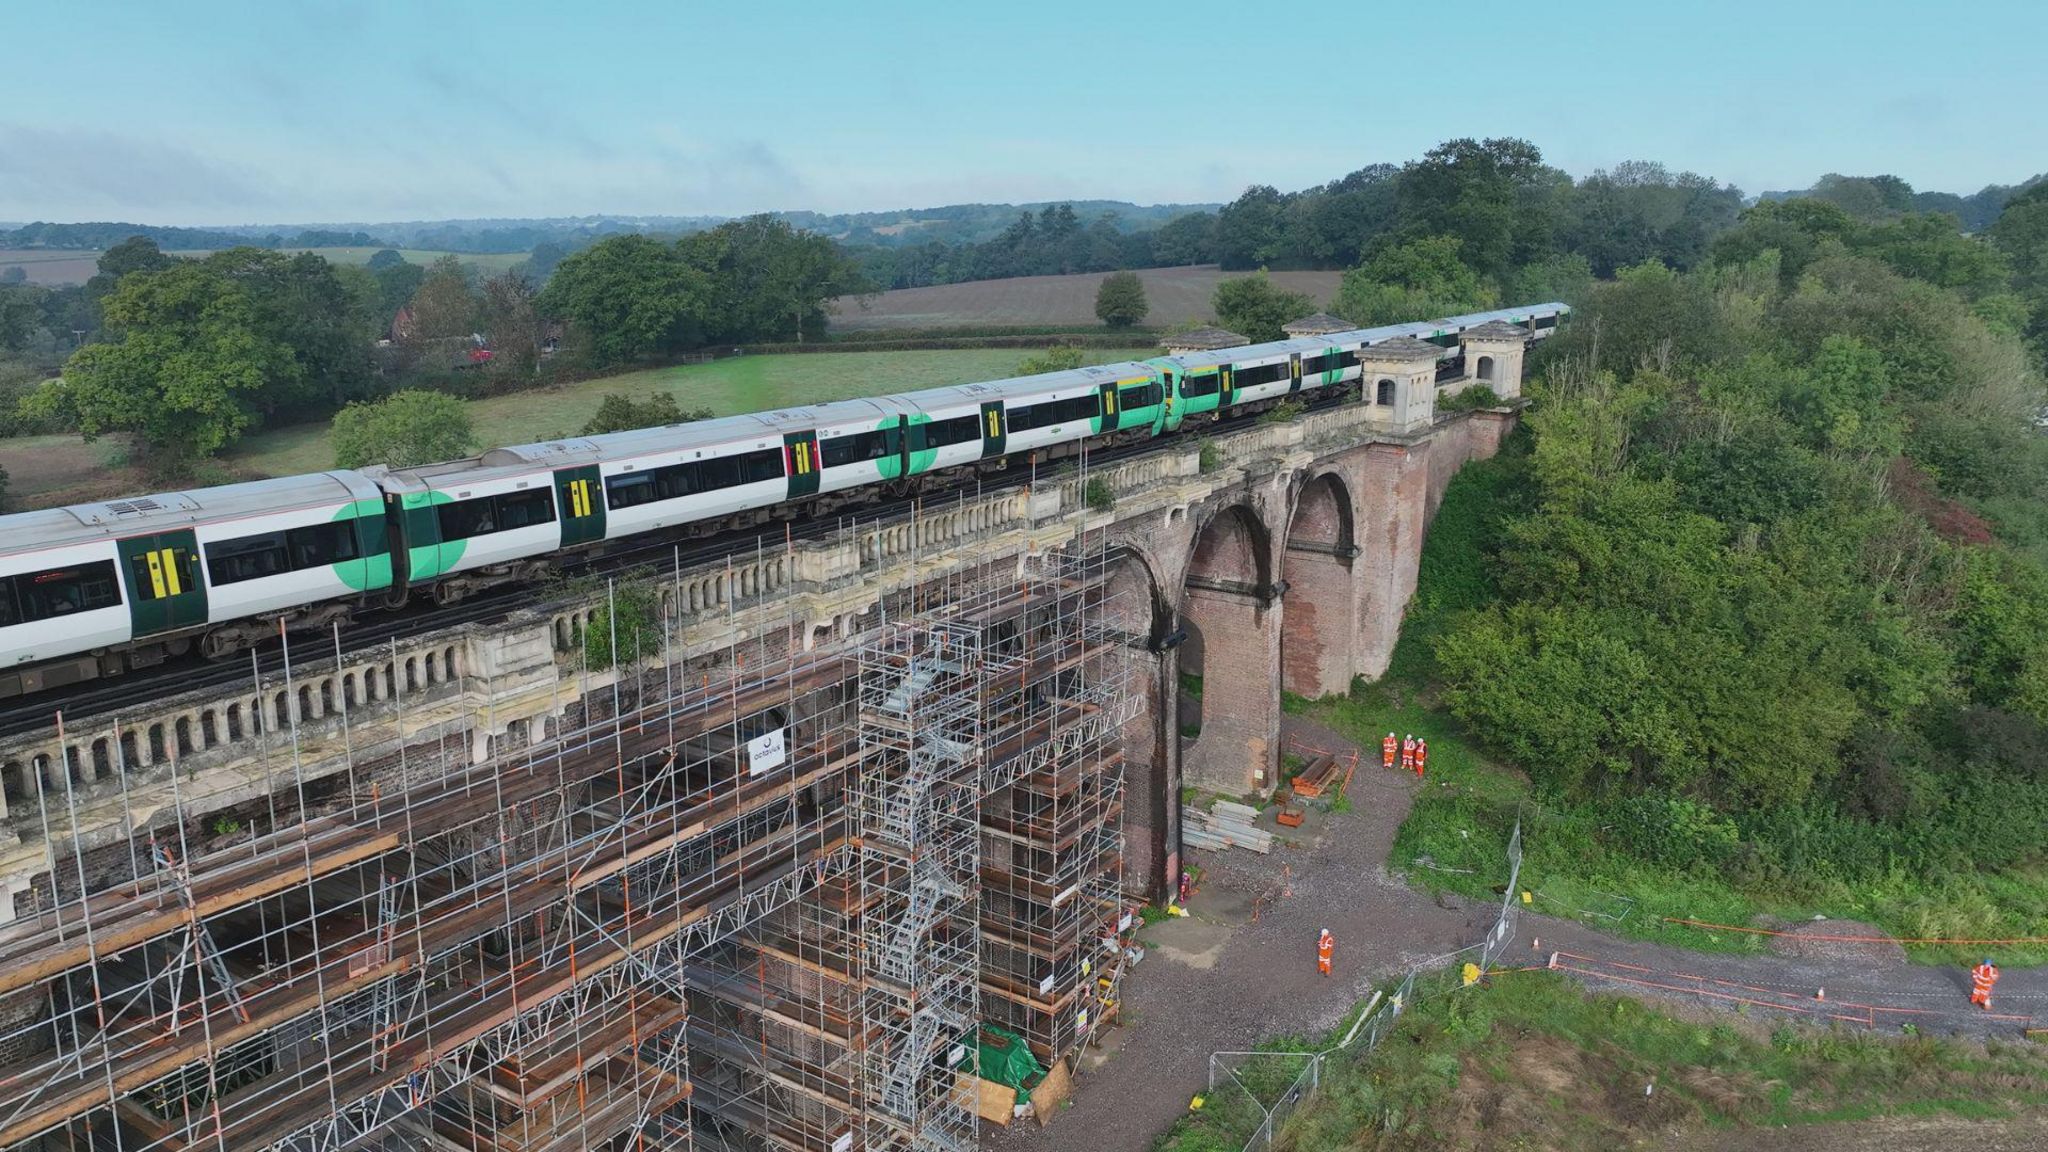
[
  {"x": 1249, "y": 228},
  {"x": 1189, "y": 239},
  {"x": 444, "y": 308},
  {"x": 396, "y": 284},
  {"x": 13, "y": 274},
  {"x": 629, "y": 297},
  {"x": 305, "y": 304},
  {"x": 1483, "y": 193},
  {"x": 385, "y": 258},
  {"x": 1418, "y": 280},
  {"x": 185, "y": 373},
  {"x": 403, "y": 430},
  {"x": 769, "y": 281},
  {"x": 1931, "y": 247},
  {"x": 1058, "y": 358},
  {"x": 135, "y": 254},
  {"x": 1252, "y": 306},
  {"x": 618, "y": 412},
  {"x": 1120, "y": 301},
  {"x": 510, "y": 314}
]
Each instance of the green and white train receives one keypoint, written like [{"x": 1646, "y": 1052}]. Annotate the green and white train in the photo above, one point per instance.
[{"x": 97, "y": 589}]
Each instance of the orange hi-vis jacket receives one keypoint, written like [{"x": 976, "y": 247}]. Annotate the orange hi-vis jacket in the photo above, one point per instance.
[
  {"x": 1408, "y": 753},
  {"x": 1326, "y": 947},
  {"x": 1982, "y": 977},
  {"x": 1421, "y": 756},
  {"x": 1389, "y": 748}
]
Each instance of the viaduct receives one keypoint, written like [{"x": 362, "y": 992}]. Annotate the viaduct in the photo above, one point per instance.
[{"x": 867, "y": 788}]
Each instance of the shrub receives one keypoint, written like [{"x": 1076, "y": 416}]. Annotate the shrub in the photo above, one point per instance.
[
  {"x": 1210, "y": 457},
  {"x": 1120, "y": 301},
  {"x": 1099, "y": 495}
]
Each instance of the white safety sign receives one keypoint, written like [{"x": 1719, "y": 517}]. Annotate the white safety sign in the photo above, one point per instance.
[{"x": 765, "y": 752}]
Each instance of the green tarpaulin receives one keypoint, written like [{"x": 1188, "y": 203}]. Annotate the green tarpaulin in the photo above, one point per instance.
[{"x": 1002, "y": 1056}]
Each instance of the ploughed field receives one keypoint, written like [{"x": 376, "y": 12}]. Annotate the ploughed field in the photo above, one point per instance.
[{"x": 1177, "y": 295}]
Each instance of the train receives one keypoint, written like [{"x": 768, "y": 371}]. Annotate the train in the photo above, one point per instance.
[{"x": 96, "y": 590}]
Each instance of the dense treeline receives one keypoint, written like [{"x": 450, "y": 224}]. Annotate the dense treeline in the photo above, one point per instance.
[
  {"x": 1766, "y": 585},
  {"x": 98, "y": 235},
  {"x": 1879, "y": 197}
]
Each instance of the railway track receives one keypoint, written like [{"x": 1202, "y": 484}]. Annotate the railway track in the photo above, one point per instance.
[{"x": 137, "y": 690}]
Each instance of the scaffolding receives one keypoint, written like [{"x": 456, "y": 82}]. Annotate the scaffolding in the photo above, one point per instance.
[{"x": 757, "y": 901}]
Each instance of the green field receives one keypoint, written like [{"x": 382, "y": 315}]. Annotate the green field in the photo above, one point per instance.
[{"x": 739, "y": 384}]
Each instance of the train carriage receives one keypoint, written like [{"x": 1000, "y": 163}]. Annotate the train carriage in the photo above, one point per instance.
[{"x": 128, "y": 582}]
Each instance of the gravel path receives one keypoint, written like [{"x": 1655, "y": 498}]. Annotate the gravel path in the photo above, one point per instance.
[{"x": 1241, "y": 967}]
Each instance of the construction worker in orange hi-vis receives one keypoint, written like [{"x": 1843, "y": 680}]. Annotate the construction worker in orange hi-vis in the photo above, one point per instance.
[
  {"x": 1421, "y": 756},
  {"x": 1326, "y": 948},
  {"x": 1982, "y": 977},
  {"x": 1408, "y": 753},
  {"x": 1389, "y": 748}
]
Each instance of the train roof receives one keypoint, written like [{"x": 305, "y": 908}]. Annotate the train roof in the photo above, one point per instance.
[
  {"x": 952, "y": 396},
  {"x": 1360, "y": 336},
  {"x": 163, "y": 511}
]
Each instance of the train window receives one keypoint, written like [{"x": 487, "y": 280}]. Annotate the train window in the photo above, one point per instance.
[
  {"x": 1050, "y": 412},
  {"x": 465, "y": 518},
  {"x": 679, "y": 480},
  {"x": 318, "y": 545},
  {"x": 1138, "y": 396},
  {"x": 630, "y": 490},
  {"x": 1543, "y": 322},
  {"x": 1192, "y": 387},
  {"x": 10, "y": 612},
  {"x": 247, "y": 558},
  {"x": 63, "y": 591},
  {"x": 941, "y": 433},
  {"x": 1261, "y": 374},
  {"x": 756, "y": 467},
  {"x": 525, "y": 509},
  {"x": 854, "y": 449},
  {"x": 1348, "y": 359}
]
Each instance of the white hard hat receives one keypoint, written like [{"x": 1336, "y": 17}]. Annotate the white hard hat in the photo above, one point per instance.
[{"x": 1326, "y": 932}]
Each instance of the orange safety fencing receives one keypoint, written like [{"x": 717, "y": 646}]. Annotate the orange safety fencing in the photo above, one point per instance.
[{"x": 1850, "y": 939}]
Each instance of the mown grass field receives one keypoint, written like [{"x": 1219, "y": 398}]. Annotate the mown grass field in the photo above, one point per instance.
[
  {"x": 739, "y": 384},
  {"x": 64, "y": 266},
  {"x": 1176, "y": 295}
]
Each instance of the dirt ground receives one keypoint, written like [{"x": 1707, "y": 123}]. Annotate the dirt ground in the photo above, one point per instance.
[
  {"x": 1241, "y": 968},
  {"x": 1176, "y": 295}
]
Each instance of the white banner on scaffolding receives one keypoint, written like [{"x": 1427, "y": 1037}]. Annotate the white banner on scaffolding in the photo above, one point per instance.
[{"x": 766, "y": 752}]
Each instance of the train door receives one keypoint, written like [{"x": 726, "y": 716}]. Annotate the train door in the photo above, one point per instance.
[
  {"x": 1294, "y": 371},
  {"x": 1112, "y": 412},
  {"x": 994, "y": 434},
  {"x": 800, "y": 461},
  {"x": 579, "y": 493},
  {"x": 165, "y": 590},
  {"x": 1226, "y": 383}
]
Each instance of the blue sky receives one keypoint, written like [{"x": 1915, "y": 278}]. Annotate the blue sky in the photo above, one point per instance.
[{"x": 213, "y": 111}]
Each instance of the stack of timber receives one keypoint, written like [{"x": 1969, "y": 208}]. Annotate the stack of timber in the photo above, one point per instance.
[{"x": 1225, "y": 825}]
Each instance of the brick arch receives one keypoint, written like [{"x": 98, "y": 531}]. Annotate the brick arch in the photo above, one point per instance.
[
  {"x": 1319, "y": 623},
  {"x": 1229, "y": 736},
  {"x": 1138, "y": 612}
]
